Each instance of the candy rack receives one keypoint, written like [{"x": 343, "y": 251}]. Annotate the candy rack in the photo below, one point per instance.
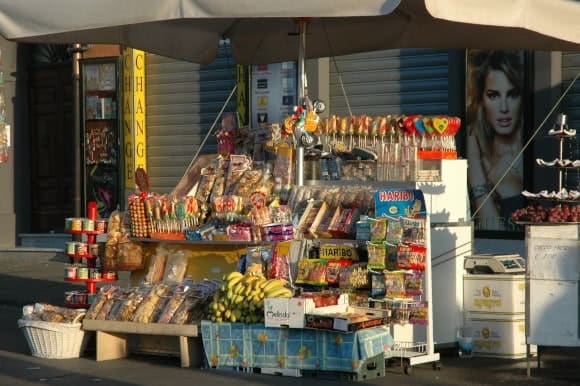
[{"x": 83, "y": 253}]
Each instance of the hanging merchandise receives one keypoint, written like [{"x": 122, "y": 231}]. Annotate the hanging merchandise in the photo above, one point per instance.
[{"x": 4, "y": 127}]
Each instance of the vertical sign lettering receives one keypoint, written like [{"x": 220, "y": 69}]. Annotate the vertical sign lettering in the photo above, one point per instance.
[
  {"x": 129, "y": 164},
  {"x": 139, "y": 109},
  {"x": 134, "y": 129}
]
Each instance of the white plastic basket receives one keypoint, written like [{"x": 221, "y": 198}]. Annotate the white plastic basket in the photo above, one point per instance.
[{"x": 54, "y": 340}]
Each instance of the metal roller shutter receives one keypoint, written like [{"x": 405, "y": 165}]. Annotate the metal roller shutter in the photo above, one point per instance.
[
  {"x": 571, "y": 107},
  {"x": 571, "y": 104},
  {"x": 183, "y": 99},
  {"x": 409, "y": 81}
]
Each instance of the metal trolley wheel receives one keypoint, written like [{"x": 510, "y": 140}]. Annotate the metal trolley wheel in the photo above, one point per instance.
[{"x": 407, "y": 368}]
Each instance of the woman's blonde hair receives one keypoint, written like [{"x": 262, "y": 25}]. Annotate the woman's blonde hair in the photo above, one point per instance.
[{"x": 481, "y": 63}]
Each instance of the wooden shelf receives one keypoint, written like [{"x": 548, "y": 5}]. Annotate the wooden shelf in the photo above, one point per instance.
[{"x": 141, "y": 328}]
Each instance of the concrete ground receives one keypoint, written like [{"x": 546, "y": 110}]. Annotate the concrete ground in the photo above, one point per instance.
[{"x": 36, "y": 276}]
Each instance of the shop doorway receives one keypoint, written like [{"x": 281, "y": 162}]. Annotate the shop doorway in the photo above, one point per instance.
[{"x": 51, "y": 120}]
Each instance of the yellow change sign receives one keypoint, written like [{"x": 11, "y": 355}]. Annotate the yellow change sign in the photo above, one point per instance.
[{"x": 134, "y": 130}]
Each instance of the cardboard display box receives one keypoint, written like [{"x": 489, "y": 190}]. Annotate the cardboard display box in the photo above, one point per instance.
[
  {"x": 290, "y": 312},
  {"x": 500, "y": 293},
  {"x": 350, "y": 320},
  {"x": 495, "y": 337}
]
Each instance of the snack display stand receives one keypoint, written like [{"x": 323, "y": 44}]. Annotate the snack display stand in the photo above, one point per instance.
[
  {"x": 553, "y": 246},
  {"x": 254, "y": 243},
  {"x": 87, "y": 251}
]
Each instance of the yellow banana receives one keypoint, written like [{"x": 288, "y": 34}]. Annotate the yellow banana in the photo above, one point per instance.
[
  {"x": 248, "y": 290},
  {"x": 257, "y": 283},
  {"x": 233, "y": 274},
  {"x": 234, "y": 281},
  {"x": 266, "y": 282},
  {"x": 273, "y": 286},
  {"x": 238, "y": 288},
  {"x": 280, "y": 293}
]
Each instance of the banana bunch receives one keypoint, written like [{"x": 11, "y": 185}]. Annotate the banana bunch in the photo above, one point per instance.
[{"x": 241, "y": 297}]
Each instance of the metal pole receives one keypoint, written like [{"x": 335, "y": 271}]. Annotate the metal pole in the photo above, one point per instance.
[
  {"x": 299, "y": 164},
  {"x": 77, "y": 50}
]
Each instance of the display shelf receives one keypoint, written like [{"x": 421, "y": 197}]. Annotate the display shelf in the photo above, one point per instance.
[
  {"x": 559, "y": 167},
  {"x": 544, "y": 223},
  {"x": 553, "y": 200},
  {"x": 100, "y": 118},
  {"x": 200, "y": 242},
  {"x": 91, "y": 284},
  {"x": 102, "y": 280},
  {"x": 89, "y": 233},
  {"x": 561, "y": 136},
  {"x": 82, "y": 256},
  {"x": 77, "y": 306}
]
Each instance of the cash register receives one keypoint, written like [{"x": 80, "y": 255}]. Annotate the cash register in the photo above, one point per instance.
[{"x": 490, "y": 264}]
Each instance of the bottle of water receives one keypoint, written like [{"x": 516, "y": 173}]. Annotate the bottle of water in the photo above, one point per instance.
[{"x": 464, "y": 344}]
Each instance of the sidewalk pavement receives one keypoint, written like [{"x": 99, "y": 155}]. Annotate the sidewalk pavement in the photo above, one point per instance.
[{"x": 28, "y": 277}]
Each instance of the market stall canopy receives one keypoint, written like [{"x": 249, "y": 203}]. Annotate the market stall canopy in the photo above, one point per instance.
[{"x": 263, "y": 31}]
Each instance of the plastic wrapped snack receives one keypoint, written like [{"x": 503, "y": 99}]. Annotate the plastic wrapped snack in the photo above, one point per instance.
[
  {"x": 395, "y": 284},
  {"x": 183, "y": 313},
  {"x": 411, "y": 257},
  {"x": 378, "y": 229},
  {"x": 414, "y": 283},
  {"x": 172, "y": 304},
  {"x": 258, "y": 256},
  {"x": 394, "y": 230},
  {"x": 104, "y": 295},
  {"x": 333, "y": 270},
  {"x": 144, "y": 312},
  {"x": 378, "y": 289},
  {"x": 175, "y": 268},
  {"x": 218, "y": 186},
  {"x": 311, "y": 271},
  {"x": 377, "y": 255},
  {"x": 413, "y": 230},
  {"x": 205, "y": 187},
  {"x": 249, "y": 182},
  {"x": 119, "y": 299},
  {"x": 130, "y": 304},
  {"x": 354, "y": 276},
  {"x": 50, "y": 313},
  {"x": 157, "y": 266},
  {"x": 129, "y": 256}
]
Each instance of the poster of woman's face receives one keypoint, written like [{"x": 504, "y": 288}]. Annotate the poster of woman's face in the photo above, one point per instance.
[{"x": 494, "y": 117}]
